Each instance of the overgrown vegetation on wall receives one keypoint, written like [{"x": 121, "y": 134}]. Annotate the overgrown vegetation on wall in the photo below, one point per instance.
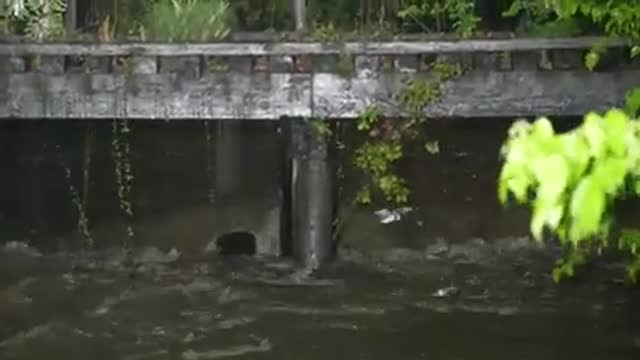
[{"x": 385, "y": 139}]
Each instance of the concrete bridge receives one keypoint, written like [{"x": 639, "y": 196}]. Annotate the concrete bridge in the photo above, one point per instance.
[
  {"x": 293, "y": 81},
  {"x": 268, "y": 81}
]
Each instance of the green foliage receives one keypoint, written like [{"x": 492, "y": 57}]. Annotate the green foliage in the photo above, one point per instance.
[
  {"x": 591, "y": 59},
  {"x": 342, "y": 14},
  {"x": 445, "y": 15},
  {"x": 534, "y": 8},
  {"x": 613, "y": 17},
  {"x": 327, "y": 33},
  {"x": 376, "y": 159},
  {"x": 619, "y": 18},
  {"x": 321, "y": 127},
  {"x": 39, "y": 20},
  {"x": 77, "y": 203},
  {"x": 419, "y": 93},
  {"x": 369, "y": 117},
  {"x": 384, "y": 145},
  {"x": 252, "y": 15},
  {"x": 416, "y": 94},
  {"x": 537, "y": 17},
  {"x": 376, "y": 16},
  {"x": 432, "y": 147},
  {"x": 121, "y": 151},
  {"x": 187, "y": 20},
  {"x": 571, "y": 180},
  {"x": 376, "y": 156}
]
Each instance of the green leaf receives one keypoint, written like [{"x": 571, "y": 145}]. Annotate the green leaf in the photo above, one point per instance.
[
  {"x": 576, "y": 151},
  {"x": 592, "y": 130},
  {"x": 565, "y": 8},
  {"x": 592, "y": 59},
  {"x": 514, "y": 9},
  {"x": 616, "y": 124},
  {"x": 542, "y": 129},
  {"x": 432, "y": 147},
  {"x": 610, "y": 174},
  {"x": 587, "y": 208},
  {"x": 548, "y": 215},
  {"x": 552, "y": 174}
]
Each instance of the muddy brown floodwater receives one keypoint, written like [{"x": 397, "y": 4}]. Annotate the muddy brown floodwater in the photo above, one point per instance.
[
  {"x": 456, "y": 279},
  {"x": 151, "y": 305}
]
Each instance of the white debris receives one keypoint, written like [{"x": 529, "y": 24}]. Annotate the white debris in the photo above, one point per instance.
[
  {"x": 446, "y": 292},
  {"x": 387, "y": 216},
  {"x": 21, "y": 247}
]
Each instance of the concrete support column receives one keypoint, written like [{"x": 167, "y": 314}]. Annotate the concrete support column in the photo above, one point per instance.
[
  {"x": 312, "y": 195},
  {"x": 228, "y": 143}
]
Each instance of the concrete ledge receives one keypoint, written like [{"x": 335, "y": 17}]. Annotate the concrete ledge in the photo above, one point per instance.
[
  {"x": 308, "y": 48},
  {"x": 268, "y": 81},
  {"x": 272, "y": 96}
]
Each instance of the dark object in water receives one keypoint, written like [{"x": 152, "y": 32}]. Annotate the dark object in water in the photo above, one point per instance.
[{"x": 236, "y": 243}]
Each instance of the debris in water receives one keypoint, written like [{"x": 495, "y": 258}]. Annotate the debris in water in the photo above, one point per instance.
[
  {"x": 263, "y": 346},
  {"x": 21, "y": 247},
  {"x": 190, "y": 337},
  {"x": 387, "y": 216},
  {"x": 151, "y": 355},
  {"x": 432, "y": 147},
  {"x": 507, "y": 310},
  {"x": 34, "y": 332},
  {"x": 472, "y": 280},
  {"x": 152, "y": 255},
  {"x": 437, "y": 249},
  {"x": 158, "y": 331},
  {"x": 482, "y": 296},
  {"x": 231, "y": 323},
  {"x": 446, "y": 292}
]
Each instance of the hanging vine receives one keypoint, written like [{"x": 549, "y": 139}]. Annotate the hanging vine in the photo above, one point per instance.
[
  {"x": 89, "y": 138},
  {"x": 385, "y": 138},
  {"x": 82, "y": 225},
  {"x": 208, "y": 137},
  {"x": 121, "y": 134}
]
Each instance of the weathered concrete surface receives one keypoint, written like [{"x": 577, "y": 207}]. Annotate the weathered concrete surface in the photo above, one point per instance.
[
  {"x": 271, "y": 81},
  {"x": 154, "y": 96},
  {"x": 482, "y": 94},
  {"x": 312, "y": 195},
  {"x": 275, "y": 46},
  {"x": 269, "y": 97}
]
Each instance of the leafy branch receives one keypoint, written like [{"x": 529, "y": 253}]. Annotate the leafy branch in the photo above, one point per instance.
[
  {"x": 385, "y": 138},
  {"x": 572, "y": 180}
]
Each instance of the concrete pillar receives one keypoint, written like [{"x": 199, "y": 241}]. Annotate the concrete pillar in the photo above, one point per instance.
[
  {"x": 228, "y": 148},
  {"x": 312, "y": 195}
]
